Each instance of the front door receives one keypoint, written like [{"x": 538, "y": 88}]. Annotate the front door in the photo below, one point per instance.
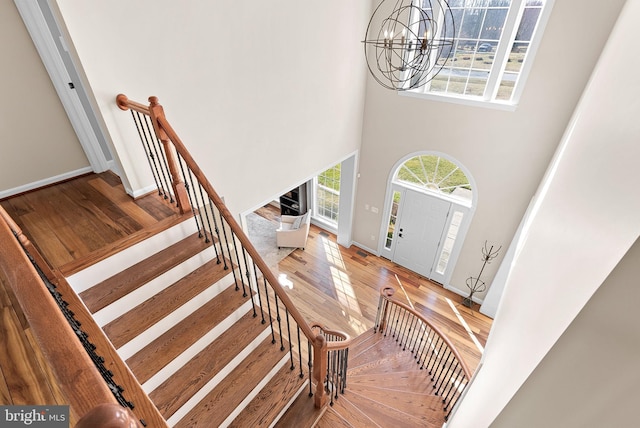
[{"x": 419, "y": 230}]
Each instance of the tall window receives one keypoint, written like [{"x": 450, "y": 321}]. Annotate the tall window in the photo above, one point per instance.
[
  {"x": 492, "y": 49},
  {"x": 328, "y": 194}
]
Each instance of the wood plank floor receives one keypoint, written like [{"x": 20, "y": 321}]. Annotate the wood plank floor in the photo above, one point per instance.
[
  {"x": 76, "y": 222},
  {"x": 340, "y": 287}
]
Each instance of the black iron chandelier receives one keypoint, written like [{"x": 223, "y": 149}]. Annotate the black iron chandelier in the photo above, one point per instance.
[{"x": 408, "y": 42}]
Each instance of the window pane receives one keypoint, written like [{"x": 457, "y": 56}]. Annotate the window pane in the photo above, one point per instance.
[
  {"x": 479, "y": 29},
  {"x": 392, "y": 220},
  {"x": 328, "y": 194},
  {"x": 452, "y": 234},
  {"x": 471, "y": 23},
  {"x": 493, "y": 24},
  {"x": 528, "y": 24}
]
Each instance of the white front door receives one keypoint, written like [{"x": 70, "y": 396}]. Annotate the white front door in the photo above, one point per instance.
[{"x": 419, "y": 230}]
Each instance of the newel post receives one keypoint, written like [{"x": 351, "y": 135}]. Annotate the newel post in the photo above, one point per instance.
[
  {"x": 320, "y": 370},
  {"x": 179, "y": 189}
]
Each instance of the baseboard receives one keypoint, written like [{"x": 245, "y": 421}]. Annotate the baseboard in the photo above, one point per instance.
[
  {"x": 45, "y": 182},
  {"x": 135, "y": 194},
  {"x": 364, "y": 247},
  {"x": 463, "y": 293}
]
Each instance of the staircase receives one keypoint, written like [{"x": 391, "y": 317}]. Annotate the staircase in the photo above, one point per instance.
[
  {"x": 199, "y": 346},
  {"x": 385, "y": 388}
]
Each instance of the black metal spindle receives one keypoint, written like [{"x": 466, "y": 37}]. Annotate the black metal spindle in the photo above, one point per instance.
[
  {"x": 279, "y": 321},
  {"x": 150, "y": 157},
  {"x": 161, "y": 158},
  {"x": 455, "y": 372},
  {"x": 299, "y": 352},
  {"x": 435, "y": 355},
  {"x": 217, "y": 231},
  {"x": 441, "y": 369},
  {"x": 188, "y": 185},
  {"x": 266, "y": 292},
  {"x": 247, "y": 273},
  {"x": 310, "y": 366},
  {"x": 286, "y": 313}
]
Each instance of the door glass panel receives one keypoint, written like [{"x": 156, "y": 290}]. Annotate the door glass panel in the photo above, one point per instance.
[
  {"x": 392, "y": 220},
  {"x": 452, "y": 233}
]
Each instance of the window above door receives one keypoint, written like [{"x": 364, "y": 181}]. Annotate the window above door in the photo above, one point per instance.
[
  {"x": 493, "y": 50},
  {"x": 435, "y": 174}
]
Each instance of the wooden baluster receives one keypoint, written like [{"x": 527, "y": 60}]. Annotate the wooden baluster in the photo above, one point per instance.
[{"x": 179, "y": 189}]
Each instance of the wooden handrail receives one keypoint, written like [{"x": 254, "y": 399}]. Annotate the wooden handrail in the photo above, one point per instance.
[
  {"x": 334, "y": 345},
  {"x": 124, "y": 103},
  {"x": 166, "y": 133},
  {"x": 72, "y": 368},
  {"x": 75, "y": 372},
  {"x": 387, "y": 294}
]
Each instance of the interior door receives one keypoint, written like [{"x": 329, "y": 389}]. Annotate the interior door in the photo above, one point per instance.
[{"x": 419, "y": 231}]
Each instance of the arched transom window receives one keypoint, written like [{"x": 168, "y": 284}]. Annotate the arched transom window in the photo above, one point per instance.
[{"x": 435, "y": 174}]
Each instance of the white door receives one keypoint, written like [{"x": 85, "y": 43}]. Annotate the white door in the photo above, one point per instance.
[
  {"x": 419, "y": 230},
  {"x": 40, "y": 23}
]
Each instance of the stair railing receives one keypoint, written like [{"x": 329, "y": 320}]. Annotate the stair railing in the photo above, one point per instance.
[
  {"x": 80, "y": 373},
  {"x": 335, "y": 379},
  {"x": 433, "y": 350},
  {"x": 181, "y": 181}
]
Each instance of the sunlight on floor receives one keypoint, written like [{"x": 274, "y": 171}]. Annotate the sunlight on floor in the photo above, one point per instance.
[
  {"x": 466, "y": 326},
  {"x": 345, "y": 293},
  {"x": 332, "y": 251},
  {"x": 284, "y": 281}
]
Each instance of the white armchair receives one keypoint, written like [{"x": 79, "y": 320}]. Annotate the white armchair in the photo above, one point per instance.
[{"x": 293, "y": 231}]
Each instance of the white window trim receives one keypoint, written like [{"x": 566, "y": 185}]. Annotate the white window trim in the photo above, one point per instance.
[{"x": 495, "y": 75}]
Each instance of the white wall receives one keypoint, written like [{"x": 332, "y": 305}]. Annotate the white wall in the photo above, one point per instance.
[
  {"x": 583, "y": 221},
  {"x": 36, "y": 137},
  {"x": 506, "y": 152},
  {"x": 276, "y": 86},
  {"x": 589, "y": 379}
]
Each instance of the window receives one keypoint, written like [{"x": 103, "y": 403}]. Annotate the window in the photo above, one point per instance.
[
  {"x": 493, "y": 48},
  {"x": 328, "y": 194},
  {"x": 435, "y": 174}
]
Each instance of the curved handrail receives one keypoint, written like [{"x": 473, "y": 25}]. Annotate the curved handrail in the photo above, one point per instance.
[
  {"x": 387, "y": 293},
  {"x": 334, "y": 345}
]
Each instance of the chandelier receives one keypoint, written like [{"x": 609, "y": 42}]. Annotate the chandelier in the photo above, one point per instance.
[{"x": 408, "y": 44}]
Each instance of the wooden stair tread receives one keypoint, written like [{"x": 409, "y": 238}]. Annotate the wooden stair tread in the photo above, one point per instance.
[
  {"x": 131, "y": 324},
  {"x": 302, "y": 412},
  {"x": 405, "y": 401},
  {"x": 218, "y": 404},
  {"x": 401, "y": 380},
  {"x": 182, "y": 385},
  {"x": 386, "y": 414},
  {"x": 128, "y": 280},
  {"x": 273, "y": 398},
  {"x": 77, "y": 265},
  {"x": 331, "y": 419},
  {"x": 153, "y": 357},
  {"x": 349, "y": 414},
  {"x": 384, "y": 363},
  {"x": 363, "y": 342}
]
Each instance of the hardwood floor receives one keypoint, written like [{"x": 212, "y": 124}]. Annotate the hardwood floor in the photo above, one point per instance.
[
  {"x": 79, "y": 221},
  {"x": 340, "y": 287}
]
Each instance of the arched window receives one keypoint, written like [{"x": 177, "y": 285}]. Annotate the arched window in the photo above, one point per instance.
[{"x": 435, "y": 174}]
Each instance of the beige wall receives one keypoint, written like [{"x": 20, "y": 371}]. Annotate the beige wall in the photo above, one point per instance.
[
  {"x": 36, "y": 137},
  {"x": 264, "y": 94},
  {"x": 506, "y": 152},
  {"x": 590, "y": 377}
]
